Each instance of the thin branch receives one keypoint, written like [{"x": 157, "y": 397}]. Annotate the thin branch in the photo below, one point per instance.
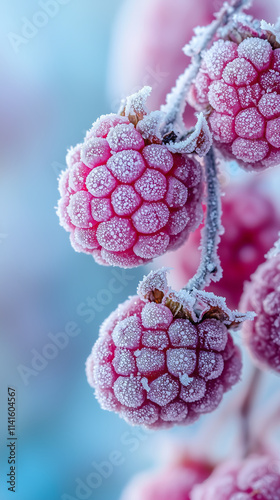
[
  {"x": 209, "y": 268},
  {"x": 246, "y": 409},
  {"x": 176, "y": 100}
]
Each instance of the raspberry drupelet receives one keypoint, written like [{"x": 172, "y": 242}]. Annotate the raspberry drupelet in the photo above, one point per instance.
[
  {"x": 262, "y": 295},
  {"x": 257, "y": 477},
  {"x": 125, "y": 199},
  {"x": 238, "y": 86},
  {"x": 165, "y": 358}
]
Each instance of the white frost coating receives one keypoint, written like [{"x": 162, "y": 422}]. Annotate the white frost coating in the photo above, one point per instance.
[
  {"x": 155, "y": 280},
  {"x": 272, "y": 28},
  {"x": 144, "y": 382},
  {"x": 150, "y": 126},
  {"x": 198, "y": 141},
  {"x": 185, "y": 379},
  {"x": 229, "y": 317},
  {"x": 135, "y": 105},
  {"x": 210, "y": 266},
  {"x": 204, "y": 35}
]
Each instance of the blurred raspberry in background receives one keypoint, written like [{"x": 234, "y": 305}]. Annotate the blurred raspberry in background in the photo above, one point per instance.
[{"x": 251, "y": 221}]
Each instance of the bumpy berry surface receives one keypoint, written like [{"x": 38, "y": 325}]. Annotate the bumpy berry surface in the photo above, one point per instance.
[
  {"x": 170, "y": 483},
  {"x": 157, "y": 371},
  {"x": 256, "y": 478},
  {"x": 262, "y": 295},
  {"x": 251, "y": 224},
  {"x": 125, "y": 202},
  {"x": 240, "y": 87}
]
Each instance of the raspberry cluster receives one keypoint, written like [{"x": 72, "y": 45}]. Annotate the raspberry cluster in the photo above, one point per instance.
[
  {"x": 239, "y": 87},
  {"x": 158, "y": 368},
  {"x": 126, "y": 200},
  {"x": 256, "y": 477},
  {"x": 262, "y": 295}
]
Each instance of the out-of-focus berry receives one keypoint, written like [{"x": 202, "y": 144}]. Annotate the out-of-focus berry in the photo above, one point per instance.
[
  {"x": 262, "y": 295},
  {"x": 164, "y": 358},
  {"x": 251, "y": 224},
  {"x": 256, "y": 477},
  {"x": 174, "y": 482}
]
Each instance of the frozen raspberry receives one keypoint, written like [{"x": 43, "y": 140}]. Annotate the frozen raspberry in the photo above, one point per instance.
[
  {"x": 125, "y": 200},
  {"x": 239, "y": 84},
  {"x": 152, "y": 59},
  {"x": 251, "y": 223},
  {"x": 255, "y": 477},
  {"x": 262, "y": 295},
  {"x": 174, "y": 482},
  {"x": 158, "y": 368}
]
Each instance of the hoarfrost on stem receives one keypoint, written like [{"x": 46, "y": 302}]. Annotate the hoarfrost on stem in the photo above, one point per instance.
[{"x": 210, "y": 267}]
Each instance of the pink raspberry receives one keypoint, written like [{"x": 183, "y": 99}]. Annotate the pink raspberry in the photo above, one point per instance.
[
  {"x": 126, "y": 200},
  {"x": 239, "y": 84},
  {"x": 256, "y": 477},
  {"x": 251, "y": 224},
  {"x": 174, "y": 482},
  {"x": 262, "y": 295},
  {"x": 158, "y": 368}
]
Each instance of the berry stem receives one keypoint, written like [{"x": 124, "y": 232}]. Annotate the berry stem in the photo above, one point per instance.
[
  {"x": 246, "y": 409},
  {"x": 176, "y": 99},
  {"x": 210, "y": 267}
]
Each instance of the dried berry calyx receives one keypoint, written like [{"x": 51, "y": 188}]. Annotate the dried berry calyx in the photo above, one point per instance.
[
  {"x": 164, "y": 357},
  {"x": 238, "y": 86},
  {"x": 125, "y": 198}
]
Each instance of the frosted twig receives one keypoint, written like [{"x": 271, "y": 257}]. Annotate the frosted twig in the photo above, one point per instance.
[
  {"x": 210, "y": 268},
  {"x": 176, "y": 100}
]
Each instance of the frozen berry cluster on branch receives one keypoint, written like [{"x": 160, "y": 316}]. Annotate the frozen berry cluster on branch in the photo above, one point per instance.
[
  {"x": 125, "y": 198},
  {"x": 165, "y": 358},
  {"x": 134, "y": 189},
  {"x": 238, "y": 86}
]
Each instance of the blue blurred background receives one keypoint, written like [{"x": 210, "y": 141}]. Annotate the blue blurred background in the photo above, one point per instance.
[{"x": 51, "y": 89}]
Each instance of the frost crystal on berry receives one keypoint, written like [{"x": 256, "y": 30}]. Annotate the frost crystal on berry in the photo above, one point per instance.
[
  {"x": 126, "y": 199},
  {"x": 262, "y": 295},
  {"x": 238, "y": 86},
  {"x": 163, "y": 357}
]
